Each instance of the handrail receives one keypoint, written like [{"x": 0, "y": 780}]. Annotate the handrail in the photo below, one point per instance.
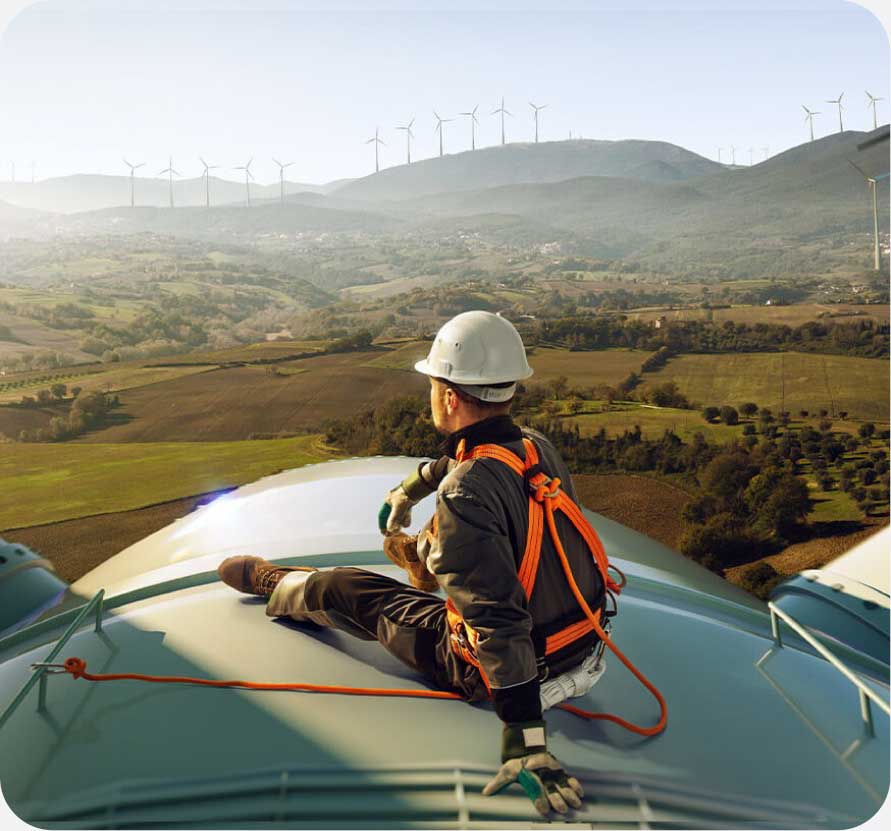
[
  {"x": 39, "y": 674},
  {"x": 867, "y": 694}
]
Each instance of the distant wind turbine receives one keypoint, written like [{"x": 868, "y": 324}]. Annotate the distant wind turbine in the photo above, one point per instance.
[
  {"x": 872, "y": 103},
  {"x": 409, "y": 135},
  {"x": 473, "y": 123},
  {"x": 719, "y": 154},
  {"x": 247, "y": 177},
  {"x": 766, "y": 151},
  {"x": 281, "y": 177},
  {"x": 536, "y": 108},
  {"x": 841, "y": 126},
  {"x": 171, "y": 173},
  {"x": 503, "y": 112},
  {"x": 751, "y": 155},
  {"x": 810, "y": 118},
  {"x": 133, "y": 169},
  {"x": 206, "y": 174},
  {"x": 377, "y": 141},
  {"x": 438, "y": 128},
  {"x": 873, "y": 182},
  {"x": 733, "y": 154}
]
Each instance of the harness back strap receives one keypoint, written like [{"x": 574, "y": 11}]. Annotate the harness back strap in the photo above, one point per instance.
[{"x": 545, "y": 499}]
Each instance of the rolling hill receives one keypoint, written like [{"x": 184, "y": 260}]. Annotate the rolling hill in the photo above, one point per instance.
[
  {"x": 90, "y": 192},
  {"x": 514, "y": 164}
]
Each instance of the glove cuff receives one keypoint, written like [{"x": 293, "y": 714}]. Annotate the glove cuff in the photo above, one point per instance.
[
  {"x": 522, "y": 738},
  {"x": 416, "y": 488}
]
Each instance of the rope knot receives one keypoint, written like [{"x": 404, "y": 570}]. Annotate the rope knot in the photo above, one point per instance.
[
  {"x": 548, "y": 489},
  {"x": 76, "y": 666}
]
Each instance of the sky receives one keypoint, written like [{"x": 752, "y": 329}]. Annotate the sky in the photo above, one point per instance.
[{"x": 85, "y": 82}]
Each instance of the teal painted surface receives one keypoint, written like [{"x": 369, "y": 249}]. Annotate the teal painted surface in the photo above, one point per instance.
[
  {"x": 27, "y": 584},
  {"x": 772, "y": 735}
]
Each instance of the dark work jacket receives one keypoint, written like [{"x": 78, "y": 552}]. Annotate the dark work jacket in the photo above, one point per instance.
[{"x": 482, "y": 515}]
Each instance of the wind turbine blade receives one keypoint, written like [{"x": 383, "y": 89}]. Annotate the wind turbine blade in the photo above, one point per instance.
[
  {"x": 883, "y": 176},
  {"x": 410, "y": 123},
  {"x": 507, "y": 112},
  {"x": 141, "y": 164},
  {"x": 858, "y": 170},
  {"x": 276, "y": 161}
]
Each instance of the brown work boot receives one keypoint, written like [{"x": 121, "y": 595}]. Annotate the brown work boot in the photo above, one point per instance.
[
  {"x": 402, "y": 550},
  {"x": 254, "y": 575}
]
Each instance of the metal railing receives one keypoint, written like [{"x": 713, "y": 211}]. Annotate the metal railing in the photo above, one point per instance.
[
  {"x": 868, "y": 695},
  {"x": 41, "y": 669}
]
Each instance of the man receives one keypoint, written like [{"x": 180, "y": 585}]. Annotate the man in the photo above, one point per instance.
[{"x": 495, "y": 638}]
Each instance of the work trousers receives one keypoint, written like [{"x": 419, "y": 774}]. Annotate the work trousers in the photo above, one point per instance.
[{"x": 409, "y": 623}]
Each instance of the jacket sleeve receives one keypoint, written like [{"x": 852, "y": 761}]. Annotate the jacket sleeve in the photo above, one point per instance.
[{"x": 472, "y": 557}]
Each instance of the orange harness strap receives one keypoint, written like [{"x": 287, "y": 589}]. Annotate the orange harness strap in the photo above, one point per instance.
[{"x": 546, "y": 498}]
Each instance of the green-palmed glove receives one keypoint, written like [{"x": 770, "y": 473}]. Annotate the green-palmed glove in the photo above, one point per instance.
[
  {"x": 526, "y": 761},
  {"x": 395, "y": 513}
]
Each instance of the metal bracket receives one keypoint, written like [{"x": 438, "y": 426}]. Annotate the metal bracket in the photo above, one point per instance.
[
  {"x": 42, "y": 668},
  {"x": 868, "y": 696}
]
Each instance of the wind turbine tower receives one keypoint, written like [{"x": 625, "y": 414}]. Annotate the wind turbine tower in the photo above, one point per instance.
[
  {"x": 171, "y": 173},
  {"x": 409, "y": 135},
  {"x": 247, "y": 178},
  {"x": 438, "y": 128},
  {"x": 733, "y": 155},
  {"x": 872, "y": 103},
  {"x": 841, "y": 126},
  {"x": 473, "y": 124},
  {"x": 377, "y": 141},
  {"x": 766, "y": 151},
  {"x": 133, "y": 169},
  {"x": 206, "y": 174},
  {"x": 873, "y": 185},
  {"x": 281, "y": 177},
  {"x": 536, "y": 108},
  {"x": 719, "y": 154},
  {"x": 503, "y": 112},
  {"x": 751, "y": 155},
  {"x": 809, "y": 118}
]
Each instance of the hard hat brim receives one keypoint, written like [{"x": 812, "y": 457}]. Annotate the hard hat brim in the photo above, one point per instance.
[{"x": 465, "y": 377}]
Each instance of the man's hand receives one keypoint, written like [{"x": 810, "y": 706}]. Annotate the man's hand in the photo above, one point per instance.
[
  {"x": 395, "y": 513},
  {"x": 526, "y": 761}
]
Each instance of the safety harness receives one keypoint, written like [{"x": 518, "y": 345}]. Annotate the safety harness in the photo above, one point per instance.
[{"x": 546, "y": 498}]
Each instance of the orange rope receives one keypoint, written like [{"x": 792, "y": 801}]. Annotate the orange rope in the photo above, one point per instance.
[{"x": 567, "y": 570}]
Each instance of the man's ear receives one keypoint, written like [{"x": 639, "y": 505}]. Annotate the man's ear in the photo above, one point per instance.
[{"x": 451, "y": 400}]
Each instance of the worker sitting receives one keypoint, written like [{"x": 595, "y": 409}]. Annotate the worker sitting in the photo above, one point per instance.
[{"x": 513, "y": 620}]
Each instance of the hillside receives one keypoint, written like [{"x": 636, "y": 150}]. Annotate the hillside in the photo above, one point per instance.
[
  {"x": 90, "y": 192},
  {"x": 223, "y": 222},
  {"x": 514, "y": 164}
]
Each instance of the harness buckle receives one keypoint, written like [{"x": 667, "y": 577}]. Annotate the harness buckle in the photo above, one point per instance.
[{"x": 51, "y": 669}]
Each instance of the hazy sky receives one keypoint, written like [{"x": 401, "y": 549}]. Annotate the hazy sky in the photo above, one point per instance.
[{"x": 83, "y": 83}]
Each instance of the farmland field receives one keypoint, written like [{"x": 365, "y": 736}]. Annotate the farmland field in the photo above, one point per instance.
[
  {"x": 234, "y": 403},
  {"x": 779, "y": 315},
  {"x": 112, "y": 378},
  {"x": 42, "y": 483},
  {"x": 812, "y": 382},
  {"x": 654, "y": 421}
]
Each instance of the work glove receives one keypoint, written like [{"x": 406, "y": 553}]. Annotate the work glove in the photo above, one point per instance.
[
  {"x": 525, "y": 760},
  {"x": 395, "y": 513}
]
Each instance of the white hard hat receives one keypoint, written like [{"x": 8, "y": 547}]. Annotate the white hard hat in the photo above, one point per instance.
[{"x": 478, "y": 349}]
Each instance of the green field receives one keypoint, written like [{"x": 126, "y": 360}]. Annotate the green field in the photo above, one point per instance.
[
  {"x": 779, "y": 315},
  {"x": 113, "y": 378},
  {"x": 653, "y": 421},
  {"x": 812, "y": 382},
  {"x": 42, "y": 483}
]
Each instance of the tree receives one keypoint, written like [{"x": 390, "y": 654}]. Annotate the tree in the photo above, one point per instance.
[
  {"x": 866, "y": 430},
  {"x": 729, "y": 415},
  {"x": 575, "y": 405},
  {"x": 559, "y": 385},
  {"x": 58, "y": 391},
  {"x": 803, "y": 413},
  {"x": 711, "y": 413},
  {"x": 44, "y": 396},
  {"x": 748, "y": 409},
  {"x": 75, "y": 391}
]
